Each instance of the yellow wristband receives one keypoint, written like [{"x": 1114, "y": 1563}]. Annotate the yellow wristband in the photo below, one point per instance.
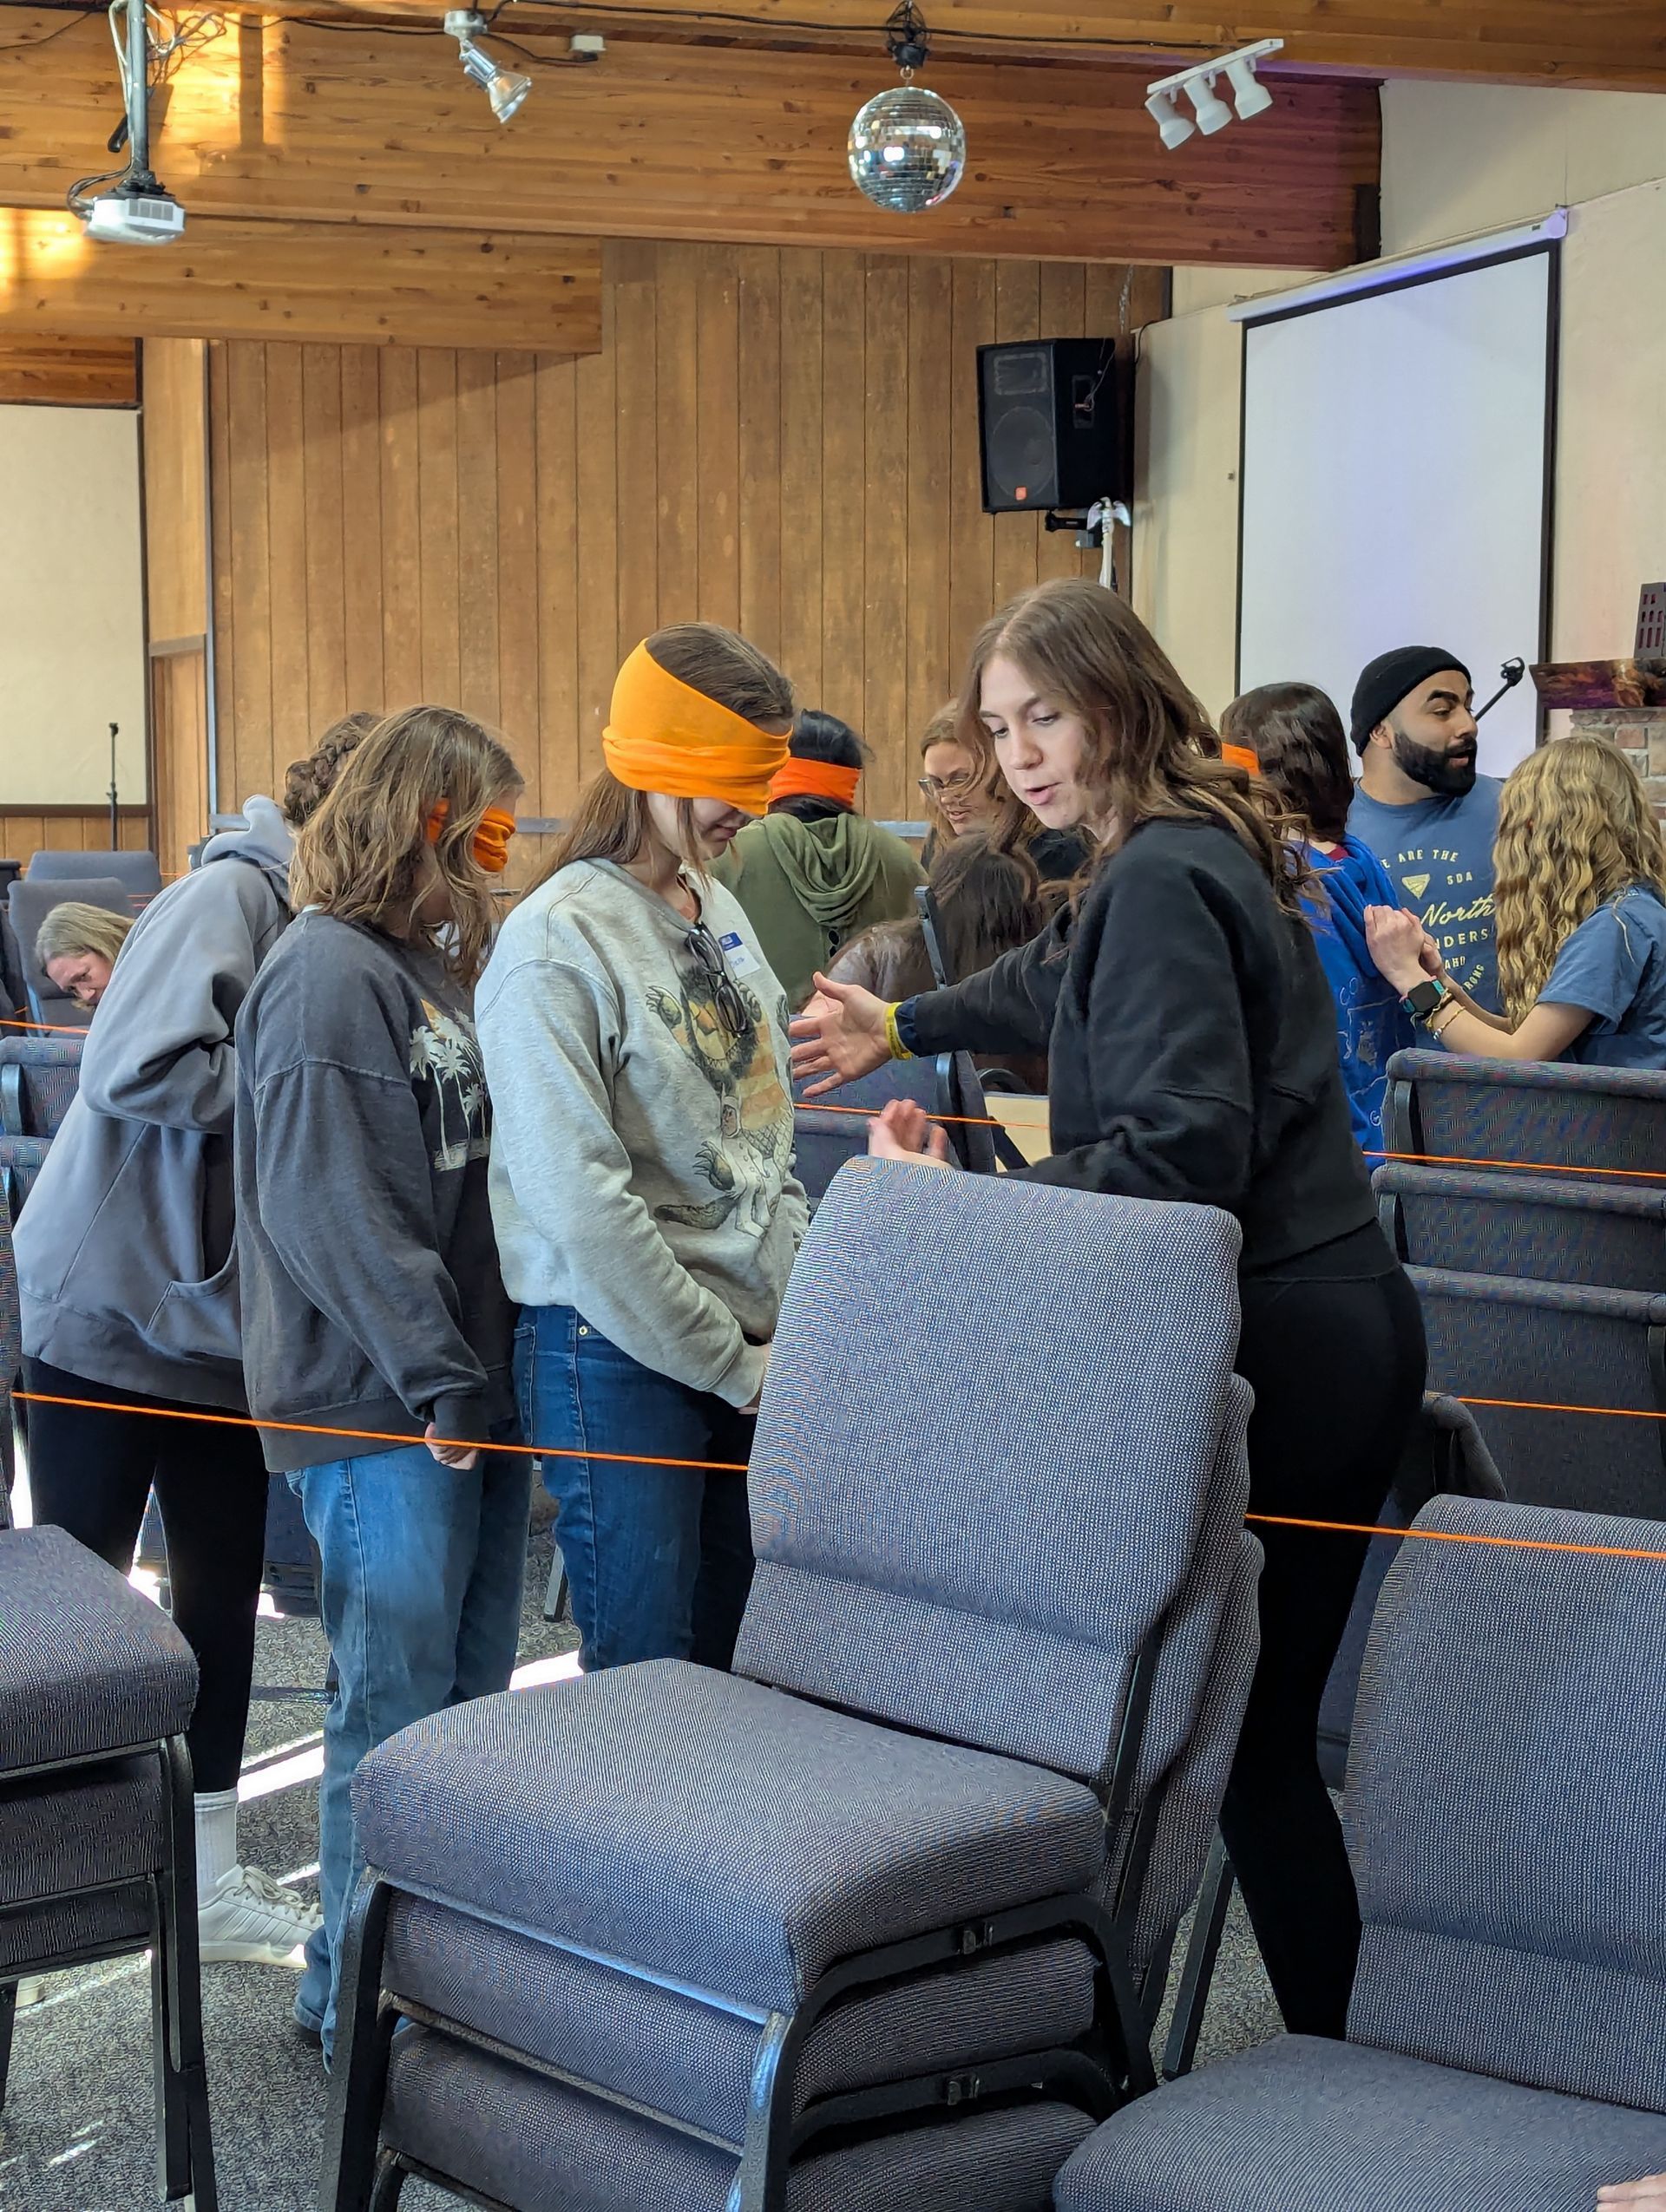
[{"x": 898, "y": 1049}]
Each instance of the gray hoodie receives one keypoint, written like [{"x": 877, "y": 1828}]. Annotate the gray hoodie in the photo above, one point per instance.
[{"x": 127, "y": 1261}]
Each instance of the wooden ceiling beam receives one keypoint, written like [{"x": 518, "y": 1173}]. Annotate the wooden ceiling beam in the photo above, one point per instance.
[
  {"x": 50, "y": 372},
  {"x": 333, "y": 284},
  {"x": 284, "y": 120},
  {"x": 1602, "y": 45}
]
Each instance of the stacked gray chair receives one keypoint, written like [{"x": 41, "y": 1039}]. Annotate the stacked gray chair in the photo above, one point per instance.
[
  {"x": 826, "y": 1135},
  {"x": 1506, "y": 2040},
  {"x": 39, "y": 1077},
  {"x": 883, "y": 1917},
  {"x": 1540, "y": 1286},
  {"x": 139, "y": 873},
  {"x": 28, "y": 903},
  {"x": 97, "y": 1844}
]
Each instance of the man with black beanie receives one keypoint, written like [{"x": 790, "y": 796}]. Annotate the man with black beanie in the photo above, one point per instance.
[{"x": 1421, "y": 808}]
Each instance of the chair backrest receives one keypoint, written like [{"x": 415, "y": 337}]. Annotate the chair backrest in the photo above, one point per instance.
[
  {"x": 1504, "y": 1805},
  {"x": 21, "y": 1159},
  {"x": 139, "y": 873},
  {"x": 948, "y": 1083},
  {"x": 1609, "y": 1235},
  {"x": 990, "y": 1443},
  {"x": 1445, "y": 1455},
  {"x": 39, "y": 1077},
  {"x": 31, "y": 901},
  {"x": 11, "y": 1357},
  {"x": 1540, "y": 1346},
  {"x": 1544, "y": 1114}
]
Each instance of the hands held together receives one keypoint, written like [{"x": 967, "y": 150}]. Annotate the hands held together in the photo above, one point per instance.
[{"x": 841, "y": 1035}]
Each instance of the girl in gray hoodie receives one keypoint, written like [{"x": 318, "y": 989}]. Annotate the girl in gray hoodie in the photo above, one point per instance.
[{"x": 127, "y": 1273}]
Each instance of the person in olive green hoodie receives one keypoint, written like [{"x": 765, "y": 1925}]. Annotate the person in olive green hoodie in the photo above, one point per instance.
[{"x": 814, "y": 873}]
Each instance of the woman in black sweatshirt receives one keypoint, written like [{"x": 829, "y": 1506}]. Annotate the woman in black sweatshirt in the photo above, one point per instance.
[{"x": 1191, "y": 1045}]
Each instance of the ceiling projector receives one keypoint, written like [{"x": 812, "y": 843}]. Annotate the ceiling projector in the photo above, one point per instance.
[{"x": 146, "y": 217}]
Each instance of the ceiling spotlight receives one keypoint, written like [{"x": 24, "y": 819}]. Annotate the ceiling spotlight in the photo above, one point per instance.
[
  {"x": 1162, "y": 99},
  {"x": 1174, "y": 127},
  {"x": 906, "y": 147},
  {"x": 504, "y": 87},
  {"x": 1212, "y": 112},
  {"x": 1250, "y": 96}
]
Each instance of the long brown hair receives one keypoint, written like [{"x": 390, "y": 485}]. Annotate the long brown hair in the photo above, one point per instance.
[
  {"x": 1296, "y": 734},
  {"x": 1575, "y": 830},
  {"x": 360, "y": 856},
  {"x": 308, "y": 783},
  {"x": 1152, "y": 755},
  {"x": 611, "y": 821}
]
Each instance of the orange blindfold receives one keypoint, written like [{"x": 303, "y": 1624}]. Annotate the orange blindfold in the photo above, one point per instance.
[
  {"x": 1241, "y": 756},
  {"x": 797, "y": 778},
  {"x": 664, "y": 735},
  {"x": 490, "y": 843}
]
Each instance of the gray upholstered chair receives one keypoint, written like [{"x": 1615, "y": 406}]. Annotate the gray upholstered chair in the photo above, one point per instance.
[
  {"x": 826, "y": 1132},
  {"x": 1542, "y": 1115},
  {"x": 21, "y": 1159},
  {"x": 39, "y": 1077},
  {"x": 97, "y": 1848},
  {"x": 1546, "y": 1228},
  {"x": 139, "y": 873},
  {"x": 882, "y": 1918},
  {"x": 1537, "y": 1346},
  {"x": 1506, "y": 2041},
  {"x": 28, "y": 903},
  {"x": 12, "y": 1357}
]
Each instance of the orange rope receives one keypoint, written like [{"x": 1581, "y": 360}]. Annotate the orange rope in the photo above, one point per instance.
[
  {"x": 48, "y": 1029},
  {"x": 1534, "y": 1167},
  {"x": 739, "y": 1467},
  {"x": 971, "y": 1120}
]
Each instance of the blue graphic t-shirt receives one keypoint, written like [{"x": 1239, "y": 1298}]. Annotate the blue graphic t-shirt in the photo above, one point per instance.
[
  {"x": 1371, "y": 1023},
  {"x": 1614, "y": 965},
  {"x": 1439, "y": 853}
]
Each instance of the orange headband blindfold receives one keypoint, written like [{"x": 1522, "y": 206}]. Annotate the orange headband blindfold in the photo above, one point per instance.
[
  {"x": 490, "y": 842},
  {"x": 797, "y": 778},
  {"x": 1241, "y": 756},
  {"x": 664, "y": 735}
]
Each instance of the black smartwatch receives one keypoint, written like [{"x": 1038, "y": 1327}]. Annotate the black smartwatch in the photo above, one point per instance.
[{"x": 1425, "y": 998}]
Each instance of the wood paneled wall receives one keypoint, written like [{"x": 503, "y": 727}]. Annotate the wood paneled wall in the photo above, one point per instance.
[
  {"x": 70, "y": 829},
  {"x": 782, "y": 439},
  {"x": 51, "y": 372}
]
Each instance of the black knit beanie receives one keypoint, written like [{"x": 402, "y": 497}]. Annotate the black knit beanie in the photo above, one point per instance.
[{"x": 1386, "y": 680}]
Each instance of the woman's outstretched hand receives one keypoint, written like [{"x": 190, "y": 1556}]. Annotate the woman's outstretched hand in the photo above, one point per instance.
[
  {"x": 840, "y": 1034},
  {"x": 904, "y": 1130},
  {"x": 1647, "y": 2195}
]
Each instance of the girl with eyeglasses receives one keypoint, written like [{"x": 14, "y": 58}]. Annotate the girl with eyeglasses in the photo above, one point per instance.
[
  {"x": 966, "y": 797},
  {"x": 642, "y": 1184}
]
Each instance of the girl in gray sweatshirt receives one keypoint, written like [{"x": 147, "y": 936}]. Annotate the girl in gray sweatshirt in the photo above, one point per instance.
[{"x": 642, "y": 1188}]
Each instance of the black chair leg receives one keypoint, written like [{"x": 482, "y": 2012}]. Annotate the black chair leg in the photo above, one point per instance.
[
  {"x": 8, "y": 2011},
  {"x": 185, "y": 2131},
  {"x": 348, "y": 2180},
  {"x": 1191, "y": 1999},
  {"x": 389, "y": 2183}
]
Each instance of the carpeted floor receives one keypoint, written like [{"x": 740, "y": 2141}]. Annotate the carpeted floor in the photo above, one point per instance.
[{"x": 76, "y": 2135}]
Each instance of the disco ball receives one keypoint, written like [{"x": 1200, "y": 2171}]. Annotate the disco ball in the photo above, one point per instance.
[{"x": 908, "y": 149}]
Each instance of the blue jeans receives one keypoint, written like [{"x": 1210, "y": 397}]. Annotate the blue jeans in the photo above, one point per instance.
[
  {"x": 659, "y": 1559},
  {"x": 424, "y": 1568}
]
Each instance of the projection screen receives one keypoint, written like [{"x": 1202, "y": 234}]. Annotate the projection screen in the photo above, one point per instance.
[{"x": 1397, "y": 452}]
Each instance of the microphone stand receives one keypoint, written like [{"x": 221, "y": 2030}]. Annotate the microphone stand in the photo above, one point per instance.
[
  {"x": 115, "y": 840},
  {"x": 1512, "y": 671}
]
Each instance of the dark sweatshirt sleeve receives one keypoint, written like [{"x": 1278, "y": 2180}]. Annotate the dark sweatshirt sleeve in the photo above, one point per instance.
[
  {"x": 1006, "y": 1008},
  {"x": 1168, "y": 1073},
  {"x": 345, "y": 1199}
]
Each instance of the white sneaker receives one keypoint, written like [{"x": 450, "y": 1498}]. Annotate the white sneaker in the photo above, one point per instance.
[{"x": 254, "y": 1921}]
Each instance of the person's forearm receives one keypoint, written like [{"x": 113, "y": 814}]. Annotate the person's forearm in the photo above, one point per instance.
[{"x": 1469, "y": 1006}]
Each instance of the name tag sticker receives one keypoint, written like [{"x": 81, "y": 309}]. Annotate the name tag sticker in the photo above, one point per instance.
[{"x": 735, "y": 952}]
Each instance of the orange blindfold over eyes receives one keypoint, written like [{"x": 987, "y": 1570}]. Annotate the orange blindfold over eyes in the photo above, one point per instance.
[
  {"x": 490, "y": 843},
  {"x": 664, "y": 735},
  {"x": 797, "y": 778},
  {"x": 1241, "y": 756}
]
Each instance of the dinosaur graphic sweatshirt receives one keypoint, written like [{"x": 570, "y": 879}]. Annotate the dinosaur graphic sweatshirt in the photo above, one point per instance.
[{"x": 641, "y": 1168}]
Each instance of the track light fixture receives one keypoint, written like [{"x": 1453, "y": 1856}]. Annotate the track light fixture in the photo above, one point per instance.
[
  {"x": 505, "y": 88},
  {"x": 1212, "y": 114}
]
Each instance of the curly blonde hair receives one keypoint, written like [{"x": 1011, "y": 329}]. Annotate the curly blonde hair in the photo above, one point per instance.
[
  {"x": 1576, "y": 831},
  {"x": 360, "y": 855}
]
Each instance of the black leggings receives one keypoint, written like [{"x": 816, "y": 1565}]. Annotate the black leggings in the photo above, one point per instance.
[
  {"x": 90, "y": 1472},
  {"x": 1334, "y": 1349}
]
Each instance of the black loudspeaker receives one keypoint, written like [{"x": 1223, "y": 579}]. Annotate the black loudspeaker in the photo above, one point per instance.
[{"x": 1053, "y": 415}]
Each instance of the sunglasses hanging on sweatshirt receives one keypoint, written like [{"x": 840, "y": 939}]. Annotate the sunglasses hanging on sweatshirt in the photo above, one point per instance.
[{"x": 733, "y": 1011}]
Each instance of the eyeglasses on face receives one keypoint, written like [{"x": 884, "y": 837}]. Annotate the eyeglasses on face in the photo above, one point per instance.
[
  {"x": 733, "y": 1013},
  {"x": 948, "y": 787}
]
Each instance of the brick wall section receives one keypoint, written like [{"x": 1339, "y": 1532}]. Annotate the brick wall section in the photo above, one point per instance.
[{"x": 1640, "y": 733}]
